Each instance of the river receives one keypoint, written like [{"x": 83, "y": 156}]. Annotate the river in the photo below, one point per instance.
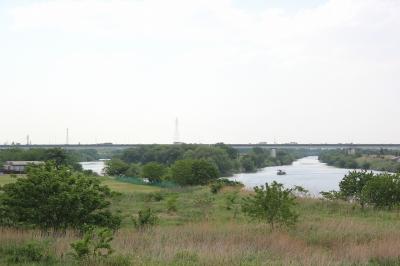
[{"x": 307, "y": 172}]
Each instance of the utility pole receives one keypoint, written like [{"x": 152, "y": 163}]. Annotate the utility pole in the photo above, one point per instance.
[{"x": 67, "y": 139}]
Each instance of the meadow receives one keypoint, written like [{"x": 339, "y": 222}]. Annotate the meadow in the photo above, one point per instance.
[{"x": 202, "y": 228}]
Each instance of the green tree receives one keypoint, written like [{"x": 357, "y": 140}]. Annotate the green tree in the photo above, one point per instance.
[
  {"x": 153, "y": 172},
  {"x": 352, "y": 185},
  {"x": 273, "y": 204},
  {"x": 116, "y": 167},
  {"x": 57, "y": 198},
  {"x": 382, "y": 191},
  {"x": 134, "y": 170},
  {"x": 247, "y": 164},
  {"x": 193, "y": 172}
]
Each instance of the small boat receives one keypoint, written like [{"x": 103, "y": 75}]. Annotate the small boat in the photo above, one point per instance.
[{"x": 280, "y": 172}]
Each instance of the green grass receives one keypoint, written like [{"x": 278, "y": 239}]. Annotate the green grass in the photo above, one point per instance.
[
  {"x": 5, "y": 179},
  {"x": 202, "y": 231}
]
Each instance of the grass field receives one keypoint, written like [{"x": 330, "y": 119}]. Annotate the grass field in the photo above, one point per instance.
[{"x": 202, "y": 231}]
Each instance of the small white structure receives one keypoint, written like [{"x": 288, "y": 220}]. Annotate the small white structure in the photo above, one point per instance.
[
  {"x": 18, "y": 167},
  {"x": 273, "y": 153}
]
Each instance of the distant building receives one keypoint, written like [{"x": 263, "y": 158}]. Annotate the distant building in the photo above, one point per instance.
[{"x": 18, "y": 167}]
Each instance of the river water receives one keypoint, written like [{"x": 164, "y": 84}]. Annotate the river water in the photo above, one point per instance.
[
  {"x": 95, "y": 166},
  {"x": 307, "y": 172}
]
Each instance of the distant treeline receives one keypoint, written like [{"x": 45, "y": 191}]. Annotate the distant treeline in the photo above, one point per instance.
[
  {"x": 60, "y": 156},
  {"x": 380, "y": 160},
  {"x": 225, "y": 158}
]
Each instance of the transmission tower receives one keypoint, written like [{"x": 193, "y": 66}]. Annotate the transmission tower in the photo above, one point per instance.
[
  {"x": 67, "y": 138},
  {"x": 176, "y": 134}
]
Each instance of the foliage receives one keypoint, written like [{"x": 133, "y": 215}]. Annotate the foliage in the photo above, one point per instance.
[
  {"x": 95, "y": 242},
  {"x": 32, "y": 251},
  {"x": 153, "y": 172},
  {"x": 155, "y": 196},
  {"x": 134, "y": 170},
  {"x": 352, "y": 185},
  {"x": 145, "y": 219},
  {"x": 382, "y": 191},
  {"x": 57, "y": 198},
  {"x": 216, "y": 186},
  {"x": 193, "y": 172},
  {"x": 116, "y": 167},
  {"x": 331, "y": 195},
  {"x": 247, "y": 164},
  {"x": 273, "y": 204},
  {"x": 172, "y": 203}
]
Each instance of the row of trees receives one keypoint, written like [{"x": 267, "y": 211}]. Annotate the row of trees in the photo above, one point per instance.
[
  {"x": 60, "y": 156},
  {"x": 226, "y": 159},
  {"x": 369, "y": 189},
  {"x": 363, "y": 159}
]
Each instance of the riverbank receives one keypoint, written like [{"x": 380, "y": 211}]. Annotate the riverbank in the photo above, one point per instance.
[{"x": 203, "y": 231}]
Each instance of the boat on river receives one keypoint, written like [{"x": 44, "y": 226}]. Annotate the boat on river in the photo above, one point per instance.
[{"x": 280, "y": 172}]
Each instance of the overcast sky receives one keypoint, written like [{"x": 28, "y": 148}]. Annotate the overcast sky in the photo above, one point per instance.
[{"x": 235, "y": 71}]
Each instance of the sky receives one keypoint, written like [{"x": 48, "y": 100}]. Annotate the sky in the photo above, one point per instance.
[{"x": 233, "y": 71}]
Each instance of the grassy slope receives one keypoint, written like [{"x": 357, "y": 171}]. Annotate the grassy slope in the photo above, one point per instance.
[{"x": 198, "y": 233}]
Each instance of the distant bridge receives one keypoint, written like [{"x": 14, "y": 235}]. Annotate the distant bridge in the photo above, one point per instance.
[{"x": 238, "y": 146}]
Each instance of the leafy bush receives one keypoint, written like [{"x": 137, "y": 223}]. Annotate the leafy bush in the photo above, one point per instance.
[
  {"x": 352, "y": 185},
  {"x": 153, "y": 172},
  {"x": 172, "y": 203},
  {"x": 145, "y": 219},
  {"x": 193, "y": 172},
  {"x": 95, "y": 242},
  {"x": 155, "y": 196},
  {"x": 116, "y": 167},
  {"x": 272, "y": 204},
  {"x": 55, "y": 197},
  {"x": 382, "y": 191}
]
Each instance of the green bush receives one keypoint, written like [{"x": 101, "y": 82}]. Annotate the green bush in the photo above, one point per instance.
[
  {"x": 96, "y": 242},
  {"x": 55, "y": 197},
  {"x": 146, "y": 218},
  {"x": 172, "y": 203},
  {"x": 273, "y": 204}
]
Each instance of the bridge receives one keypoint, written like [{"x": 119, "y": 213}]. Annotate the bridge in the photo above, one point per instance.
[{"x": 110, "y": 146}]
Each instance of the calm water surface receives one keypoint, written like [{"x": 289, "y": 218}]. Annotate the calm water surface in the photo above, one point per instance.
[
  {"x": 307, "y": 172},
  {"x": 96, "y": 166}
]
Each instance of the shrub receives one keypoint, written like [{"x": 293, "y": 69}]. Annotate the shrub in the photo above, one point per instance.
[
  {"x": 145, "y": 219},
  {"x": 95, "y": 243},
  {"x": 57, "y": 198},
  {"x": 153, "y": 172},
  {"x": 352, "y": 185},
  {"x": 155, "y": 196},
  {"x": 193, "y": 172},
  {"x": 382, "y": 191},
  {"x": 272, "y": 204},
  {"x": 171, "y": 203},
  {"x": 116, "y": 167}
]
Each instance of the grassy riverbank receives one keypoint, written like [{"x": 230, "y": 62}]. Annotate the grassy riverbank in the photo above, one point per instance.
[{"x": 202, "y": 231}]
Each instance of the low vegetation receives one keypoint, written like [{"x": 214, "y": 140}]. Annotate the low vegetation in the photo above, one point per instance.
[{"x": 194, "y": 226}]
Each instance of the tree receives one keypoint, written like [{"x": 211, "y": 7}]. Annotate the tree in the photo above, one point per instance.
[
  {"x": 382, "y": 191},
  {"x": 57, "y": 198},
  {"x": 248, "y": 164},
  {"x": 352, "y": 185},
  {"x": 134, "y": 170},
  {"x": 193, "y": 172},
  {"x": 153, "y": 172},
  {"x": 272, "y": 204},
  {"x": 116, "y": 167}
]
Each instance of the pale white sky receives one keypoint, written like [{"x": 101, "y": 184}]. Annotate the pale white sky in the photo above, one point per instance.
[{"x": 236, "y": 71}]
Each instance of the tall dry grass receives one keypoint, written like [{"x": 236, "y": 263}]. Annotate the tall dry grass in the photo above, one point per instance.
[{"x": 326, "y": 242}]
